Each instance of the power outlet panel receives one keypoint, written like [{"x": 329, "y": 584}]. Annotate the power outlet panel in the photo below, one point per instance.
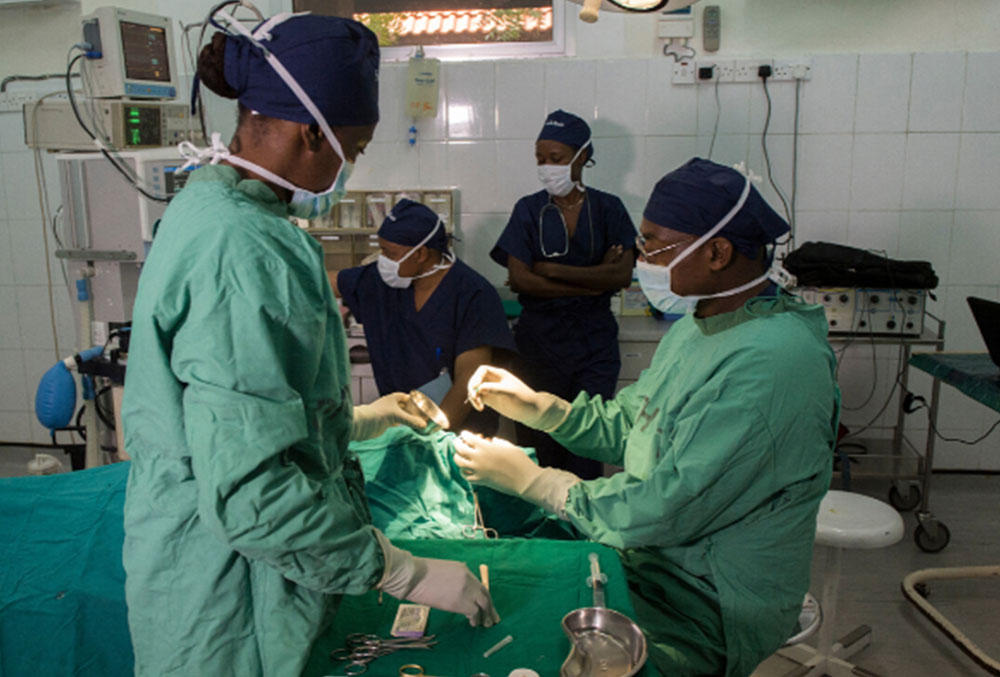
[
  {"x": 722, "y": 70},
  {"x": 745, "y": 69},
  {"x": 792, "y": 69},
  {"x": 726, "y": 71},
  {"x": 748, "y": 70}
]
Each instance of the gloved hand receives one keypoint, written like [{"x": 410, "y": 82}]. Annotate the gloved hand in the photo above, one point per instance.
[
  {"x": 503, "y": 466},
  {"x": 501, "y": 390},
  {"x": 494, "y": 463},
  {"x": 439, "y": 583},
  {"x": 371, "y": 420}
]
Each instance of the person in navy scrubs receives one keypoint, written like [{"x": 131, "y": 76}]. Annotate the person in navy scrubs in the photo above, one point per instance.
[
  {"x": 430, "y": 320},
  {"x": 567, "y": 249}
]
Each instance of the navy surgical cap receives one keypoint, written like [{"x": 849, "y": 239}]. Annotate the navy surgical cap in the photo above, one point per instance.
[
  {"x": 568, "y": 129},
  {"x": 334, "y": 60},
  {"x": 410, "y": 222},
  {"x": 695, "y": 197}
]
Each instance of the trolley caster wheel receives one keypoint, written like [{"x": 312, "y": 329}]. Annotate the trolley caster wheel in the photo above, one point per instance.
[
  {"x": 929, "y": 543},
  {"x": 904, "y": 503},
  {"x": 923, "y": 590}
]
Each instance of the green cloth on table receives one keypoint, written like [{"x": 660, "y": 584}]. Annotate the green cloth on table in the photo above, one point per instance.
[
  {"x": 62, "y": 593},
  {"x": 534, "y": 583},
  {"x": 974, "y": 374},
  {"x": 62, "y": 585},
  {"x": 726, "y": 440},
  {"x": 415, "y": 490}
]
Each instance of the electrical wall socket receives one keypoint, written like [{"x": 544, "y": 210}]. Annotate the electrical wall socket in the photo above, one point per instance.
[
  {"x": 685, "y": 73},
  {"x": 726, "y": 71},
  {"x": 722, "y": 71},
  {"x": 792, "y": 69},
  {"x": 748, "y": 70},
  {"x": 742, "y": 70}
]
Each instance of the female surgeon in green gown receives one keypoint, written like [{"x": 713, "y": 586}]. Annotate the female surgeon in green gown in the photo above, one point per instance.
[
  {"x": 726, "y": 438},
  {"x": 245, "y": 517}
]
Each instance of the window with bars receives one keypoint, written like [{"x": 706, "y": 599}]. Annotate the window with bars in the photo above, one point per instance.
[{"x": 455, "y": 27}]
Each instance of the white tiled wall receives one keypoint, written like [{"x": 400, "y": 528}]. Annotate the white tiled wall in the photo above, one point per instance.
[
  {"x": 897, "y": 152},
  {"x": 27, "y": 345}
]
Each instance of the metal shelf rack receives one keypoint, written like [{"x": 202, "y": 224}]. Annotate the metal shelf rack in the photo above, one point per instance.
[{"x": 898, "y": 458}]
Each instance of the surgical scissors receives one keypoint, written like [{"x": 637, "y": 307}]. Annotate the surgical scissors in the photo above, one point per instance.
[
  {"x": 361, "y": 649},
  {"x": 471, "y": 530}
]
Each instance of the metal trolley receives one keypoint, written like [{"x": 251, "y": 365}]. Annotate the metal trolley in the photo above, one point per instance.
[{"x": 898, "y": 458}]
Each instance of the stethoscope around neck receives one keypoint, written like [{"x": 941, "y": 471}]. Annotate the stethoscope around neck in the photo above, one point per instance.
[{"x": 551, "y": 205}]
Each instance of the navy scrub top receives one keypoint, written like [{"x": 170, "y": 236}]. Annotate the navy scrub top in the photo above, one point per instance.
[
  {"x": 522, "y": 239},
  {"x": 409, "y": 348}
]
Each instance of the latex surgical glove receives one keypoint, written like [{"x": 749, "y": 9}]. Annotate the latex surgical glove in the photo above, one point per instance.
[
  {"x": 510, "y": 396},
  {"x": 440, "y": 583},
  {"x": 371, "y": 420},
  {"x": 503, "y": 466}
]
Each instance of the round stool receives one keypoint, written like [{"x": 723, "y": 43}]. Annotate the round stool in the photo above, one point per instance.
[
  {"x": 853, "y": 521},
  {"x": 856, "y": 522},
  {"x": 810, "y": 618}
]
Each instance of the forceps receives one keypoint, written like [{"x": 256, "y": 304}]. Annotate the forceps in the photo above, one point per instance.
[
  {"x": 471, "y": 530},
  {"x": 361, "y": 649}
]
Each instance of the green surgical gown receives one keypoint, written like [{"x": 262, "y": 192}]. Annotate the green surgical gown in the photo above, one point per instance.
[
  {"x": 726, "y": 442},
  {"x": 245, "y": 518}
]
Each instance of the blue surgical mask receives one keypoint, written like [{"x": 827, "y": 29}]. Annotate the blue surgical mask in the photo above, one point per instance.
[{"x": 306, "y": 204}]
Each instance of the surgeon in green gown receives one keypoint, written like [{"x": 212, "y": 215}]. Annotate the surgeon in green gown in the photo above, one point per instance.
[
  {"x": 725, "y": 439},
  {"x": 245, "y": 517}
]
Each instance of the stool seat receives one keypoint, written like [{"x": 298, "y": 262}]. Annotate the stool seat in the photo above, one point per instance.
[{"x": 853, "y": 521}]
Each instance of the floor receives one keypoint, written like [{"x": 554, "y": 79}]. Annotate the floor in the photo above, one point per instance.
[{"x": 904, "y": 642}]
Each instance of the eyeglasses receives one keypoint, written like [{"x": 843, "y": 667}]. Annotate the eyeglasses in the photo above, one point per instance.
[{"x": 640, "y": 244}]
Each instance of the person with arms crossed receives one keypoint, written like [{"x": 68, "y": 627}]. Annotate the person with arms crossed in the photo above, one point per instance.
[{"x": 567, "y": 249}]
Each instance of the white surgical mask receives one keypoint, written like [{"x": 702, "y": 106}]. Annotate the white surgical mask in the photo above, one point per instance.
[
  {"x": 558, "y": 179},
  {"x": 655, "y": 280},
  {"x": 388, "y": 269},
  {"x": 304, "y": 204},
  {"x": 655, "y": 283}
]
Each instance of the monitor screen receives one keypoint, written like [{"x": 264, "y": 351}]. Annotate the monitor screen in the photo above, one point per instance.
[
  {"x": 175, "y": 179},
  {"x": 142, "y": 126},
  {"x": 145, "y": 50}
]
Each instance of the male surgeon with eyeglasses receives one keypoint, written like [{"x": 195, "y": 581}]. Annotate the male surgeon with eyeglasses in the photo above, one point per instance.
[{"x": 725, "y": 439}]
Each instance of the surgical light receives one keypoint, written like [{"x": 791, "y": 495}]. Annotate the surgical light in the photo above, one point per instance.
[{"x": 591, "y": 7}]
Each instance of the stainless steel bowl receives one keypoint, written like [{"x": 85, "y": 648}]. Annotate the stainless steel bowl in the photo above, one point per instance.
[{"x": 605, "y": 644}]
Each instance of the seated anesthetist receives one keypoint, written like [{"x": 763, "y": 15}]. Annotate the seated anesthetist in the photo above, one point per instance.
[
  {"x": 726, "y": 438},
  {"x": 426, "y": 314}
]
